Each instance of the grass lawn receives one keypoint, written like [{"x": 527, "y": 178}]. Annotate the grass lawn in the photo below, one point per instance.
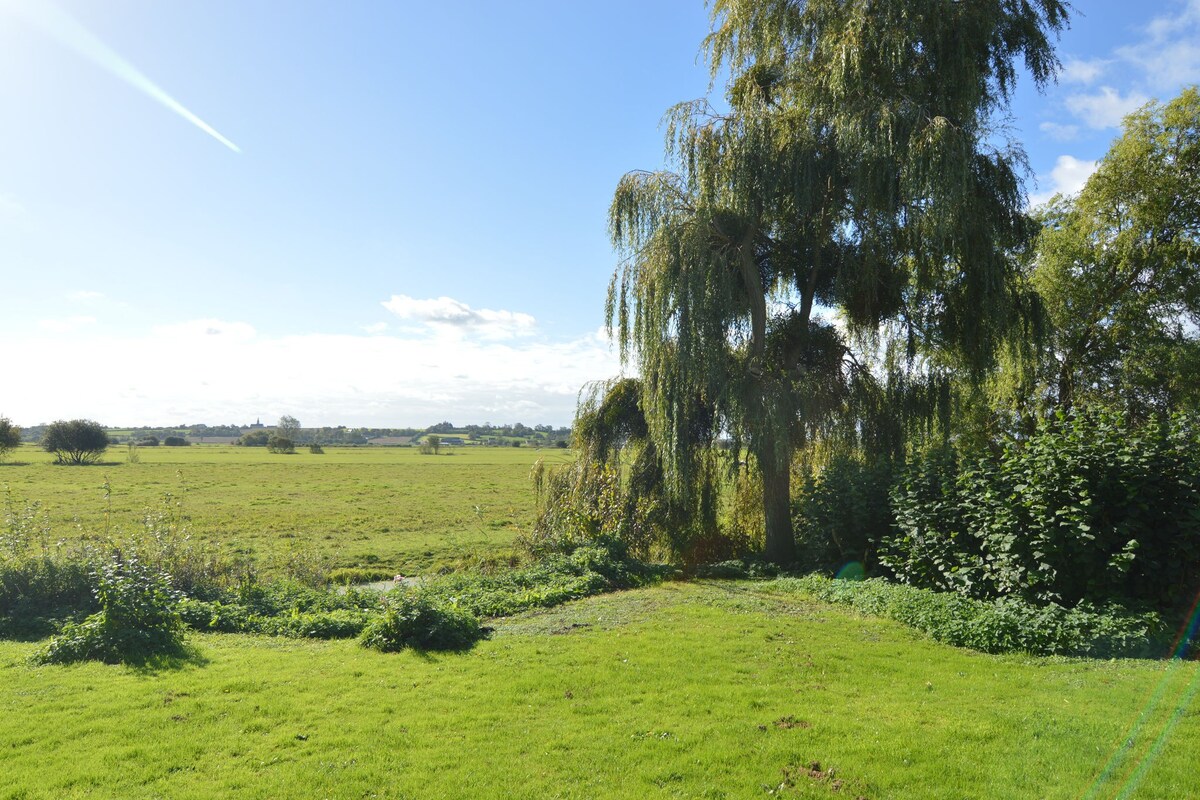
[
  {"x": 360, "y": 506},
  {"x": 731, "y": 690}
]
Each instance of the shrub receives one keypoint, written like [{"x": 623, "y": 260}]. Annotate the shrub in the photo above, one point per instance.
[
  {"x": 203, "y": 615},
  {"x": 138, "y": 619},
  {"x": 175, "y": 441},
  {"x": 843, "y": 512},
  {"x": 149, "y": 441},
  {"x": 1087, "y": 508},
  {"x": 77, "y": 441},
  {"x": 316, "y": 449},
  {"x": 280, "y": 444},
  {"x": 412, "y": 619},
  {"x": 254, "y": 439},
  {"x": 10, "y": 437}
]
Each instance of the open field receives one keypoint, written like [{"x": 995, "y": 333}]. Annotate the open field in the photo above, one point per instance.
[
  {"x": 727, "y": 690},
  {"x": 359, "y": 506}
]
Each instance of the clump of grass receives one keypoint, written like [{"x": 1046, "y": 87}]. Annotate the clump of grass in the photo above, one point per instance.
[
  {"x": 549, "y": 581},
  {"x": 422, "y": 622}
]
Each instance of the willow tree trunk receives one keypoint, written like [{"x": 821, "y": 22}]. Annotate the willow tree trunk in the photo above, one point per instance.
[{"x": 780, "y": 545}]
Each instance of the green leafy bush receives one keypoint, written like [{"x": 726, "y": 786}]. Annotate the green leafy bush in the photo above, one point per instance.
[
  {"x": 419, "y": 621},
  {"x": 77, "y": 441},
  {"x": 1088, "y": 508},
  {"x": 280, "y": 444},
  {"x": 138, "y": 619},
  {"x": 843, "y": 511},
  {"x": 998, "y": 626}
]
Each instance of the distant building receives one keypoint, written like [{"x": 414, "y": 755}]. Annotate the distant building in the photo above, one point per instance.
[
  {"x": 391, "y": 441},
  {"x": 213, "y": 439}
]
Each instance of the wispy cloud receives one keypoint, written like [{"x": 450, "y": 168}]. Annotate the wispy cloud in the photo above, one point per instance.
[
  {"x": 445, "y": 314},
  {"x": 1060, "y": 133},
  {"x": 1068, "y": 177},
  {"x": 1087, "y": 72},
  {"x": 85, "y": 296},
  {"x": 1165, "y": 57},
  {"x": 1106, "y": 107}
]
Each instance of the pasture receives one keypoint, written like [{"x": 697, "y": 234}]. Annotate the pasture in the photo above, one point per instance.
[
  {"x": 708, "y": 690},
  {"x": 391, "y": 508}
]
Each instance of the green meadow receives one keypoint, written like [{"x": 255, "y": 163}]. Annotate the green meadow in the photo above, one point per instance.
[
  {"x": 388, "y": 507},
  {"x": 705, "y": 689},
  {"x": 708, "y": 690}
]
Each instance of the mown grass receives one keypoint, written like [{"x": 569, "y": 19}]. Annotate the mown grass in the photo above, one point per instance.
[
  {"x": 391, "y": 508},
  {"x": 683, "y": 690}
]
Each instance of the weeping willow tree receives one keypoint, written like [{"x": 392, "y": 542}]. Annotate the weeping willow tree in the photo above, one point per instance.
[
  {"x": 614, "y": 491},
  {"x": 858, "y": 164}
]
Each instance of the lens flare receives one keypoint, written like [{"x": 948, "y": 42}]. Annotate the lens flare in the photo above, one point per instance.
[
  {"x": 1122, "y": 754},
  {"x": 69, "y": 32}
]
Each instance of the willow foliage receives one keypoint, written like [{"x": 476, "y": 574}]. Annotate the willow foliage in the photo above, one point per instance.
[{"x": 853, "y": 166}]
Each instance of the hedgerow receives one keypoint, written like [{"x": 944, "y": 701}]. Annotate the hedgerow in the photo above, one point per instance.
[{"x": 997, "y": 626}]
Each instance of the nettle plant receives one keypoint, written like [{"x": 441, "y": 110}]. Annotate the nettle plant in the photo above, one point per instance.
[{"x": 137, "y": 622}]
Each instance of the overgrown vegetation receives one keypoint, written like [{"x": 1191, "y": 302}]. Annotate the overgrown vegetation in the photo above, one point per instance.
[
  {"x": 138, "y": 620},
  {"x": 129, "y": 602},
  {"x": 1003, "y": 625},
  {"x": 1088, "y": 508}
]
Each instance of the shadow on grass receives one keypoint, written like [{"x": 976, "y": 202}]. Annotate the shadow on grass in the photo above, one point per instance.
[
  {"x": 86, "y": 464},
  {"x": 14, "y": 463},
  {"x": 28, "y": 630},
  {"x": 186, "y": 657}
]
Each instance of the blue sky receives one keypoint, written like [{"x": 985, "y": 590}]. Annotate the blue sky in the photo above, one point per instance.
[{"x": 414, "y": 229}]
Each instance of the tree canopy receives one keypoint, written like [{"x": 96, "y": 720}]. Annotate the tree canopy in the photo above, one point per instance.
[
  {"x": 77, "y": 441},
  {"x": 1118, "y": 269},
  {"x": 858, "y": 165}
]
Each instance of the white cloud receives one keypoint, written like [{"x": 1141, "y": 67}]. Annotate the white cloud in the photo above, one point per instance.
[
  {"x": 218, "y": 371},
  {"x": 1061, "y": 133},
  {"x": 445, "y": 314},
  {"x": 1068, "y": 178},
  {"x": 65, "y": 324},
  {"x": 1075, "y": 70},
  {"x": 85, "y": 296},
  {"x": 377, "y": 327},
  {"x": 1105, "y": 108},
  {"x": 1163, "y": 27},
  {"x": 1165, "y": 58}
]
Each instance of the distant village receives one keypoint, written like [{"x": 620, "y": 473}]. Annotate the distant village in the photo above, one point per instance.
[{"x": 448, "y": 435}]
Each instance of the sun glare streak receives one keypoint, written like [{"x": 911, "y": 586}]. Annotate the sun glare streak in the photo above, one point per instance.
[
  {"x": 1120, "y": 756},
  {"x": 69, "y": 32}
]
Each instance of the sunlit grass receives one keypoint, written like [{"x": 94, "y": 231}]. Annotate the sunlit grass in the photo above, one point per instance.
[
  {"x": 684, "y": 690},
  {"x": 391, "y": 507}
]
